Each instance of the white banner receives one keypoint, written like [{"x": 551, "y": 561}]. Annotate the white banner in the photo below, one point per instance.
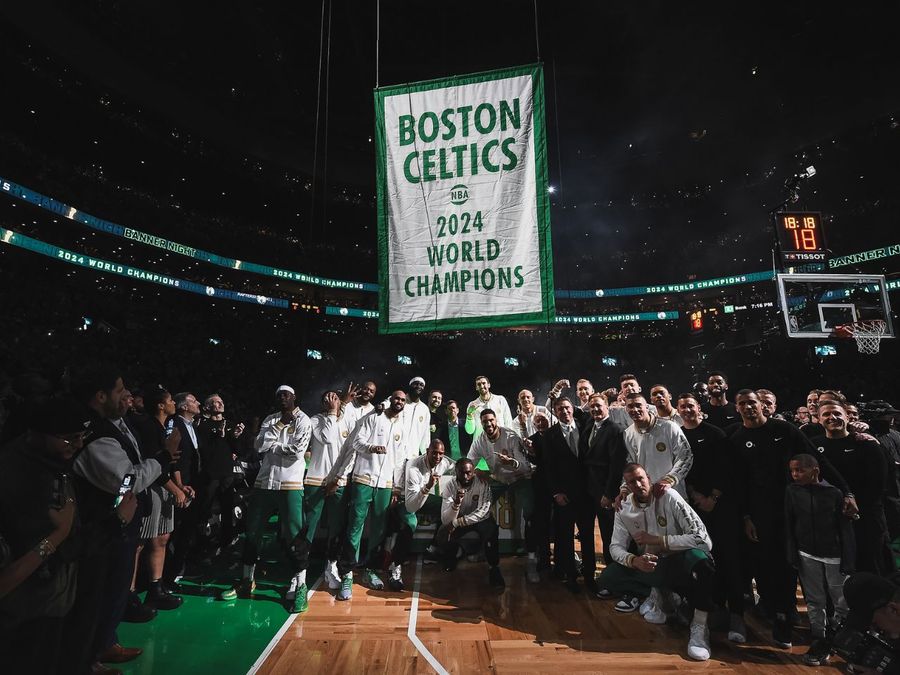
[{"x": 463, "y": 211}]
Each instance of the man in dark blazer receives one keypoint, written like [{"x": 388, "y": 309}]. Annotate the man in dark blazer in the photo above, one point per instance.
[
  {"x": 457, "y": 441},
  {"x": 572, "y": 502},
  {"x": 603, "y": 453}
]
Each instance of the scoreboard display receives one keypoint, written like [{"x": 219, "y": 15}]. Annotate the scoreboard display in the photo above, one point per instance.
[{"x": 801, "y": 238}]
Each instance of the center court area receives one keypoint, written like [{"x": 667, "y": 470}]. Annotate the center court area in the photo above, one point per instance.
[{"x": 459, "y": 625}]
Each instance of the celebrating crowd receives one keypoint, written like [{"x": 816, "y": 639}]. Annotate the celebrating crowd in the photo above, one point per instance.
[{"x": 707, "y": 507}]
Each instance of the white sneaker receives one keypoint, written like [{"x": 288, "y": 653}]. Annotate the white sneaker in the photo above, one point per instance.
[
  {"x": 395, "y": 578},
  {"x": 649, "y": 603},
  {"x": 698, "y": 645},
  {"x": 531, "y": 571},
  {"x": 332, "y": 576},
  {"x": 656, "y": 615}
]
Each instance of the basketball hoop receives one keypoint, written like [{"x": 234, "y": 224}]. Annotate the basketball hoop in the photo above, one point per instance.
[{"x": 867, "y": 334}]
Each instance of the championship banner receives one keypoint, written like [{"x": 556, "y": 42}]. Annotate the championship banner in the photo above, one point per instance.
[{"x": 463, "y": 210}]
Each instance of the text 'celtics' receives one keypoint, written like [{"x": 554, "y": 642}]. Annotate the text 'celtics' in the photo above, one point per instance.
[{"x": 465, "y": 159}]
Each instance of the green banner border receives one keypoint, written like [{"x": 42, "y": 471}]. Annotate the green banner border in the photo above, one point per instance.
[{"x": 542, "y": 207}]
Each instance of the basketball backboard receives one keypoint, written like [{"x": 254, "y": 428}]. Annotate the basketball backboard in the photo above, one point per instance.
[{"x": 813, "y": 305}]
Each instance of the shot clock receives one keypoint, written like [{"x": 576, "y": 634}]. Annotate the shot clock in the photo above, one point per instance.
[{"x": 801, "y": 239}]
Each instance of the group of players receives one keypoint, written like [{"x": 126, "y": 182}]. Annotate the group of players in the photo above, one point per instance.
[{"x": 666, "y": 479}]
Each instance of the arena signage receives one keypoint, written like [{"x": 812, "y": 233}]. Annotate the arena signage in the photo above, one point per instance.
[
  {"x": 864, "y": 256},
  {"x": 105, "y": 266},
  {"x": 105, "y": 226},
  {"x": 463, "y": 212},
  {"x": 618, "y": 318}
]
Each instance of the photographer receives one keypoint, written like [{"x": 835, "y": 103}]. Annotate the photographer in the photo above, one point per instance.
[
  {"x": 46, "y": 538},
  {"x": 870, "y": 638}
]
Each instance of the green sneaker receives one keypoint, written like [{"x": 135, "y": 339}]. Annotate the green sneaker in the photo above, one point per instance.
[
  {"x": 373, "y": 581},
  {"x": 346, "y": 590},
  {"x": 242, "y": 590},
  {"x": 301, "y": 604}
]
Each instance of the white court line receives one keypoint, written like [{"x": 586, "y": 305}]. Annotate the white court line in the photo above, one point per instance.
[
  {"x": 411, "y": 631},
  {"x": 281, "y": 631}
]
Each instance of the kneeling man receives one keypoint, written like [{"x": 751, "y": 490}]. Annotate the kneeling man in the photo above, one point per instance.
[
  {"x": 467, "y": 508},
  {"x": 674, "y": 554}
]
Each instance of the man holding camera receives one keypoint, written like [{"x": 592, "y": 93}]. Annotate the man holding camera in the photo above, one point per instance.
[{"x": 870, "y": 638}]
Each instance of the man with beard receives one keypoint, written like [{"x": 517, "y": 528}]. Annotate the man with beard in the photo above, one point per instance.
[
  {"x": 719, "y": 411},
  {"x": 662, "y": 401},
  {"x": 416, "y": 421},
  {"x": 673, "y": 554},
  {"x": 657, "y": 445},
  {"x": 422, "y": 494},
  {"x": 357, "y": 402},
  {"x": 504, "y": 452},
  {"x": 438, "y": 414},
  {"x": 377, "y": 450},
  {"x": 486, "y": 400},
  {"x": 863, "y": 466},
  {"x": 281, "y": 443},
  {"x": 467, "y": 508},
  {"x": 330, "y": 430},
  {"x": 111, "y": 453},
  {"x": 714, "y": 498},
  {"x": 764, "y": 447}
]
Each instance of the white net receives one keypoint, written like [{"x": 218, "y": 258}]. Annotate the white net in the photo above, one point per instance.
[{"x": 868, "y": 335}]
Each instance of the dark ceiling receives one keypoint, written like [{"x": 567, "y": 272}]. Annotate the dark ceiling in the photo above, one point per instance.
[{"x": 670, "y": 123}]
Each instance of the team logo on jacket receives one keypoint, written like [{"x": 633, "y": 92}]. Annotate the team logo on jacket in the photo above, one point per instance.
[
  {"x": 396, "y": 437},
  {"x": 660, "y": 447},
  {"x": 820, "y": 449},
  {"x": 749, "y": 444},
  {"x": 475, "y": 500},
  {"x": 661, "y": 521},
  {"x": 345, "y": 433},
  {"x": 421, "y": 418}
]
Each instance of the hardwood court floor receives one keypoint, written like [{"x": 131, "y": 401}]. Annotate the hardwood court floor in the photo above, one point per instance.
[{"x": 526, "y": 629}]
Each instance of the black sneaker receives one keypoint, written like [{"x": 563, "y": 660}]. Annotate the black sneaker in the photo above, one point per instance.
[
  {"x": 495, "y": 579},
  {"x": 781, "y": 631},
  {"x": 819, "y": 653},
  {"x": 159, "y": 598},
  {"x": 628, "y": 603}
]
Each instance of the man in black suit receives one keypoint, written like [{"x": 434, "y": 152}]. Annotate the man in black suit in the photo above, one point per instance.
[
  {"x": 573, "y": 503},
  {"x": 602, "y": 451},
  {"x": 452, "y": 431},
  {"x": 182, "y": 540}
]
